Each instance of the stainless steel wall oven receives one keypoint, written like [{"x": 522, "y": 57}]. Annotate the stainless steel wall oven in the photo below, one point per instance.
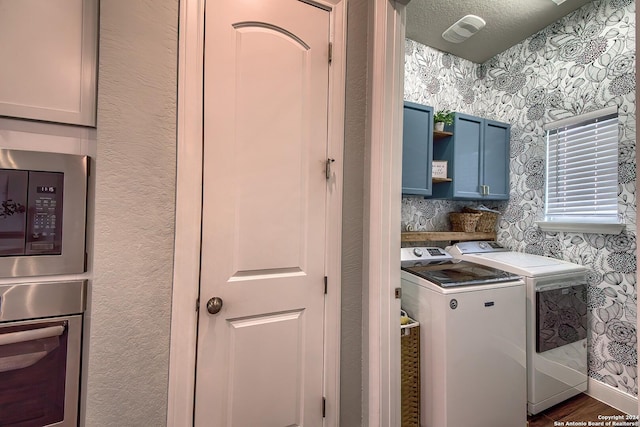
[{"x": 40, "y": 348}]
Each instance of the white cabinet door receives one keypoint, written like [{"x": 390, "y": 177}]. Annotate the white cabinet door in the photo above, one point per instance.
[{"x": 48, "y": 67}]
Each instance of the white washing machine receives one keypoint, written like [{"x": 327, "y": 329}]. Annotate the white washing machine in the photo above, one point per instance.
[
  {"x": 472, "y": 340},
  {"x": 556, "y": 319}
]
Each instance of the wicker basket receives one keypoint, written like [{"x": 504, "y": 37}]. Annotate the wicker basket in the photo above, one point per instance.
[
  {"x": 464, "y": 221},
  {"x": 487, "y": 222},
  {"x": 410, "y": 377}
]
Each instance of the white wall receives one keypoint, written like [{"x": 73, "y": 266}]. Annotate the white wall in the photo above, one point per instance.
[{"x": 130, "y": 295}]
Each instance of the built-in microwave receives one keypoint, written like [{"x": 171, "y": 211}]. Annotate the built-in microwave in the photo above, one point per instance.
[{"x": 43, "y": 199}]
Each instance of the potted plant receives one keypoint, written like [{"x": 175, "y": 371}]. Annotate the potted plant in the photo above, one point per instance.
[{"x": 442, "y": 118}]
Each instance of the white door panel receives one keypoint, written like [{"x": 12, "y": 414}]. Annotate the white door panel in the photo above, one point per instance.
[
  {"x": 260, "y": 359},
  {"x": 251, "y": 341}
]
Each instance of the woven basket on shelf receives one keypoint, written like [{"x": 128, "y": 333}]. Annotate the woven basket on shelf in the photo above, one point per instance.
[
  {"x": 487, "y": 222},
  {"x": 410, "y": 376},
  {"x": 464, "y": 221}
]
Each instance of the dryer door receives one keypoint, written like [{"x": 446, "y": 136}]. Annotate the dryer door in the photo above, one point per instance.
[{"x": 561, "y": 315}]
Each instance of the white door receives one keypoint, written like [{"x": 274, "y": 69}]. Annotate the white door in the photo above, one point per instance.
[{"x": 260, "y": 358}]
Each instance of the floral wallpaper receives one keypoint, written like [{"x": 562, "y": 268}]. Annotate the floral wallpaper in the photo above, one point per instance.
[{"x": 584, "y": 62}]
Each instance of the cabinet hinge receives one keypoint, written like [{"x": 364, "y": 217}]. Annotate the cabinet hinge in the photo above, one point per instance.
[
  {"x": 326, "y": 281},
  {"x": 197, "y": 305},
  {"x": 330, "y": 52},
  {"x": 324, "y": 407}
]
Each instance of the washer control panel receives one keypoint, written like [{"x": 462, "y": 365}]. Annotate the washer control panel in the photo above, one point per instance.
[
  {"x": 478, "y": 247},
  {"x": 423, "y": 255}
]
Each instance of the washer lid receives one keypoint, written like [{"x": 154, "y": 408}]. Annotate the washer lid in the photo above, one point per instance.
[{"x": 460, "y": 273}]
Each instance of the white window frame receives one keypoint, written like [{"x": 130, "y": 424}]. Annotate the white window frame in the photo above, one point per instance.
[{"x": 589, "y": 223}]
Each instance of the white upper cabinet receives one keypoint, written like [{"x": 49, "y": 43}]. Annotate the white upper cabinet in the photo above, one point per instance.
[{"x": 48, "y": 51}]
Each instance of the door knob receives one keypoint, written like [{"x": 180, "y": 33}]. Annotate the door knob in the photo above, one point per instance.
[{"x": 214, "y": 305}]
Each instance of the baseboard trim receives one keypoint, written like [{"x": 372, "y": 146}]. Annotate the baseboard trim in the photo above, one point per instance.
[{"x": 612, "y": 396}]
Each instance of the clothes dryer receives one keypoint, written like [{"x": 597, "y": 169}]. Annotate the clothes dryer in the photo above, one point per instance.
[{"x": 556, "y": 319}]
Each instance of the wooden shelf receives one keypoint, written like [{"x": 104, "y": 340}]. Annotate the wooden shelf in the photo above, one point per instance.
[
  {"x": 439, "y": 180},
  {"x": 440, "y": 135},
  {"x": 440, "y": 236}
]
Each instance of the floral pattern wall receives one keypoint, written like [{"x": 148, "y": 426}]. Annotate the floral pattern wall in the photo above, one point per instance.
[{"x": 582, "y": 63}]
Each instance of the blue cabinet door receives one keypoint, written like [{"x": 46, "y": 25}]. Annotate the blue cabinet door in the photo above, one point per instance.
[
  {"x": 495, "y": 153},
  {"x": 467, "y": 168},
  {"x": 417, "y": 149},
  {"x": 477, "y": 156}
]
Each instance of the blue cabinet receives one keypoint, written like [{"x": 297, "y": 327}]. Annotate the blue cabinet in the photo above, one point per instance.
[
  {"x": 478, "y": 160},
  {"x": 417, "y": 149}
]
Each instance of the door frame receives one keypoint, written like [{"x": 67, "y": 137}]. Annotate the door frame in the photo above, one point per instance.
[
  {"x": 382, "y": 249},
  {"x": 186, "y": 276}
]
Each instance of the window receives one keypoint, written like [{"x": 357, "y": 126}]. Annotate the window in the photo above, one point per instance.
[{"x": 581, "y": 191}]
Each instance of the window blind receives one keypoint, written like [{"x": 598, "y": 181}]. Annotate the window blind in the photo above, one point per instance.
[{"x": 582, "y": 169}]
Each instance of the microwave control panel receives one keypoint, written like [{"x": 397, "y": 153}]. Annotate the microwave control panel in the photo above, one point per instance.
[{"x": 44, "y": 214}]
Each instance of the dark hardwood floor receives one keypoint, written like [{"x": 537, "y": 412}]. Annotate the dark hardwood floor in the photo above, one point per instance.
[{"x": 580, "y": 408}]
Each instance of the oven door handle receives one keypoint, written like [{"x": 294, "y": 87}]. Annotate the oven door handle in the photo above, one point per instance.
[{"x": 31, "y": 335}]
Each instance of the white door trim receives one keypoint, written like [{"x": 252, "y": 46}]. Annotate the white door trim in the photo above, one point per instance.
[
  {"x": 186, "y": 264},
  {"x": 182, "y": 356},
  {"x": 337, "y": 82},
  {"x": 386, "y": 68}
]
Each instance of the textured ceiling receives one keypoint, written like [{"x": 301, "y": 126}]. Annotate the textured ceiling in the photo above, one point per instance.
[{"x": 508, "y": 23}]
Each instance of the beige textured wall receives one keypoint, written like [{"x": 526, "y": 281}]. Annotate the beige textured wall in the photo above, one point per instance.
[
  {"x": 352, "y": 221},
  {"x": 126, "y": 373}
]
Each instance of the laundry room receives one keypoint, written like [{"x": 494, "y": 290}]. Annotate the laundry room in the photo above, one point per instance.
[{"x": 497, "y": 161}]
